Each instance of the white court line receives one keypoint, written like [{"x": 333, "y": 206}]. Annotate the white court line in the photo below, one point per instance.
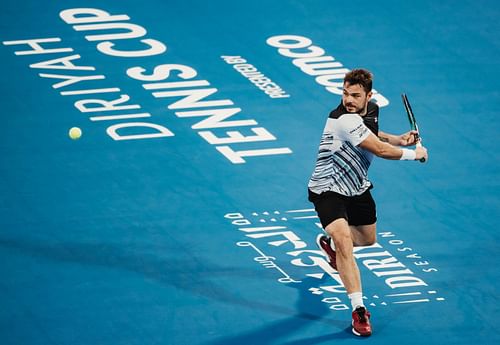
[
  {"x": 413, "y": 301},
  {"x": 405, "y": 294},
  {"x": 305, "y": 217},
  {"x": 304, "y": 210}
]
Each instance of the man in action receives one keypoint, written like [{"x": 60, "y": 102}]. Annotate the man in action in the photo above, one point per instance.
[{"x": 339, "y": 187}]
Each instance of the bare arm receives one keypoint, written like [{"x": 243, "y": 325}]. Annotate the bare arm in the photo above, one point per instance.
[
  {"x": 405, "y": 139},
  {"x": 386, "y": 150}
]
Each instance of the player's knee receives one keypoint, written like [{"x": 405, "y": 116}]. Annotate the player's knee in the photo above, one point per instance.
[
  {"x": 370, "y": 241},
  {"x": 372, "y": 237},
  {"x": 365, "y": 235},
  {"x": 367, "y": 239},
  {"x": 343, "y": 243},
  {"x": 339, "y": 232}
]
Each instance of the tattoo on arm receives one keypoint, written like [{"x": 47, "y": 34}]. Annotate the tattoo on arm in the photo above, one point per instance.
[{"x": 384, "y": 139}]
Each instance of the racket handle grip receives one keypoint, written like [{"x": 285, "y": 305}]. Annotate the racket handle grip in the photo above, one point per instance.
[{"x": 419, "y": 144}]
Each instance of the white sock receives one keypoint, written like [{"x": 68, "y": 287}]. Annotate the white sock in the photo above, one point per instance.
[{"x": 356, "y": 299}]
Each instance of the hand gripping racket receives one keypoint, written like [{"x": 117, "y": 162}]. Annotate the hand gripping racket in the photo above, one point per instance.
[{"x": 413, "y": 122}]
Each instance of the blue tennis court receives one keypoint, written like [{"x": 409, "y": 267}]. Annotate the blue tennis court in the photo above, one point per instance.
[{"x": 181, "y": 215}]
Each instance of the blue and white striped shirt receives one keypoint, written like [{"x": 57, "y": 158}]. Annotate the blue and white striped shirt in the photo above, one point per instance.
[{"x": 342, "y": 166}]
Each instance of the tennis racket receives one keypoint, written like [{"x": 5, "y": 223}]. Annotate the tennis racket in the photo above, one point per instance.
[{"x": 413, "y": 122}]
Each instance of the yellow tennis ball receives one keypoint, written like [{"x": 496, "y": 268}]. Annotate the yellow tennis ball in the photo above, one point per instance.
[{"x": 75, "y": 133}]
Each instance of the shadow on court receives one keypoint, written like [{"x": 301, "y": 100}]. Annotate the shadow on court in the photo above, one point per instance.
[
  {"x": 308, "y": 309},
  {"x": 187, "y": 273}
]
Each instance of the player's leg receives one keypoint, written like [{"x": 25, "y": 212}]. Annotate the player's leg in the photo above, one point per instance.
[
  {"x": 329, "y": 206},
  {"x": 362, "y": 217},
  {"x": 340, "y": 232},
  {"x": 364, "y": 235},
  {"x": 332, "y": 211}
]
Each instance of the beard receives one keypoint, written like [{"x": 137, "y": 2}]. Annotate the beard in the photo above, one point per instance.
[{"x": 352, "y": 108}]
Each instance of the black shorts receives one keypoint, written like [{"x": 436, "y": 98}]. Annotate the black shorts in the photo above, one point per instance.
[{"x": 357, "y": 210}]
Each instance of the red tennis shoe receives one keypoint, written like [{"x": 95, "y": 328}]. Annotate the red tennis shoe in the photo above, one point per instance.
[
  {"x": 323, "y": 243},
  {"x": 361, "y": 322}
]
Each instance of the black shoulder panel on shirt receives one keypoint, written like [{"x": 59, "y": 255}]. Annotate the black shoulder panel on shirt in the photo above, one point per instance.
[
  {"x": 371, "y": 117},
  {"x": 335, "y": 113}
]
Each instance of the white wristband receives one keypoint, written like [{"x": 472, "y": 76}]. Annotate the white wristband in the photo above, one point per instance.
[{"x": 408, "y": 155}]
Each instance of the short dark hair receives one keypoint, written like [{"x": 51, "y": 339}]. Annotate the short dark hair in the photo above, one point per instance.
[{"x": 360, "y": 76}]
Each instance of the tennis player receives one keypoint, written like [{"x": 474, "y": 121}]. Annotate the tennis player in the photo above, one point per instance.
[{"x": 339, "y": 187}]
